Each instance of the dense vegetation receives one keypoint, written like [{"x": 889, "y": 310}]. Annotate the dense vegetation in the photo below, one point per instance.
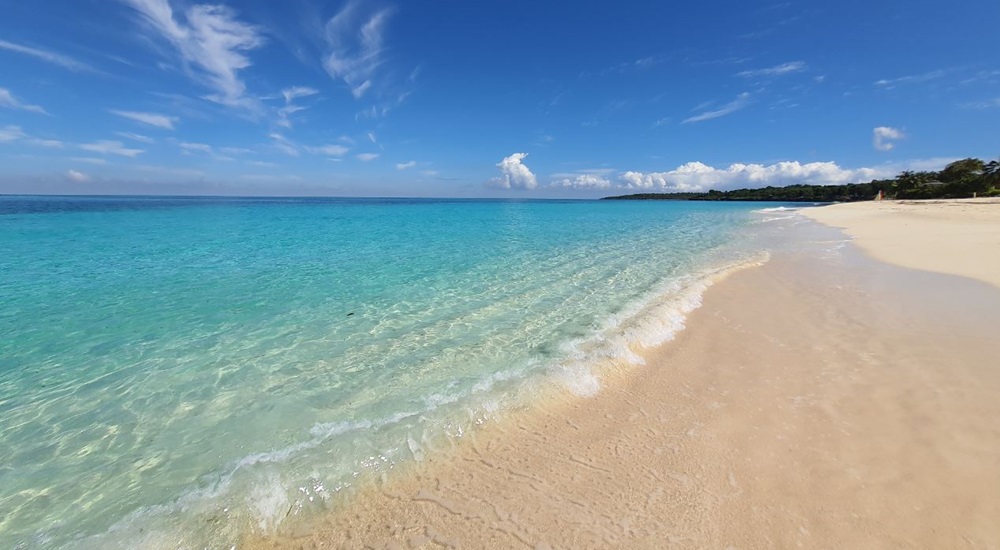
[{"x": 960, "y": 179}]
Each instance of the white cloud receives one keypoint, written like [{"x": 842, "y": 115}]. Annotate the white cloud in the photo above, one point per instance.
[
  {"x": 582, "y": 181},
  {"x": 295, "y": 92},
  {"x": 50, "y": 143},
  {"x": 211, "y": 42},
  {"x": 740, "y": 102},
  {"x": 406, "y": 165},
  {"x": 136, "y": 137},
  {"x": 11, "y": 133},
  {"x": 355, "y": 46},
  {"x": 366, "y": 157},
  {"x": 883, "y": 137},
  {"x": 696, "y": 176},
  {"x": 152, "y": 119},
  {"x": 890, "y": 83},
  {"x": 988, "y": 104},
  {"x": 290, "y": 95},
  {"x": 47, "y": 56},
  {"x": 109, "y": 147},
  {"x": 78, "y": 177},
  {"x": 199, "y": 147},
  {"x": 90, "y": 160},
  {"x": 516, "y": 175},
  {"x": 777, "y": 70},
  {"x": 8, "y": 100},
  {"x": 329, "y": 150},
  {"x": 284, "y": 145}
]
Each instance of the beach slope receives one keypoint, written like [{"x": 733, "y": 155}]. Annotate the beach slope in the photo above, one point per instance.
[
  {"x": 958, "y": 236},
  {"x": 824, "y": 400}
]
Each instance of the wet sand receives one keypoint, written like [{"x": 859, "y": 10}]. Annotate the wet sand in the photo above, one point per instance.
[{"x": 824, "y": 400}]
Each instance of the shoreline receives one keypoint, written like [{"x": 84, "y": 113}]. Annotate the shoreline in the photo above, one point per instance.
[
  {"x": 954, "y": 236},
  {"x": 861, "y": 427}
]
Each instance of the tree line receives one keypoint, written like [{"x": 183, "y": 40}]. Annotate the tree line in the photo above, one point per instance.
[{"x": 961, "y": 179}]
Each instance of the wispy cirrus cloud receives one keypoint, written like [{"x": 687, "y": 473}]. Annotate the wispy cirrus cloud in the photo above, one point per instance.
[
  {"x": 8, "y": 100},
  {"x": 883, "y": 137},
  {"x": 63, "y": 61},
  {"x": 290, "y": 108},
  {"x": 90, "y": 160},
  {"x": 355, "y": 49},
  {"x": 211, "y": 42},
  {"x": 110, "y": 147},
  {"x": 284, "y": 144},
  {"x": 329, "y": 150},
  {"x": 405, "y": 165},
  {"x": 11, "y": 133},
  {"x": 367, "y": 157},
  {"x": 889, "y": 83},
  {"x": 777, "y": 70},
  {"x": 737, "y": 104},
  {"x": 987, "y": 104},
  {"x": 151, "y": 119},
  {"x": 192, "y": 148},
  {"x": 136, "y": 137}
]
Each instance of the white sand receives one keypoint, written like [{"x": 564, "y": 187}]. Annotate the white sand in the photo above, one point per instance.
[
  {"x": 961, "y": 236},
  {"x": 814, "y": 403}
]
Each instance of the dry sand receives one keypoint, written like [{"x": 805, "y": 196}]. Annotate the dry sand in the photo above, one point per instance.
[
  {"x": 961, "y": 236},
  {"x": 824, "y": 400}
]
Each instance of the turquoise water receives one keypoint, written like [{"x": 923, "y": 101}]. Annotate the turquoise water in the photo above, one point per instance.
[{"x": 178, "y": 372}]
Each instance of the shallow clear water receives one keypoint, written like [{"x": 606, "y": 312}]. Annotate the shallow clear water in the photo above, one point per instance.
[{"x": 176, "y": 372}]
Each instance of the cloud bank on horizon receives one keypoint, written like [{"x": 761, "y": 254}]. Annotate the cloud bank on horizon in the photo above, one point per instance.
[{"x": 360, "y": 98}]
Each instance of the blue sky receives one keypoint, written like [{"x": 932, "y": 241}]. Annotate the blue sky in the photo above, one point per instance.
[{"x": 470, "y": 99}]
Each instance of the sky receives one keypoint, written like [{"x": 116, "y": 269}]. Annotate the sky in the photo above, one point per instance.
[{"x": 525, "y": 99}]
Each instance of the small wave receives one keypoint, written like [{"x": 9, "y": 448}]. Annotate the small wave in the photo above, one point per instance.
[{"x": 256, "y": 492}]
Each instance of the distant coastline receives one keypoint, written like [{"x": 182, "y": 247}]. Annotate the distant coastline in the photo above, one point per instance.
[{"x": 961, "y": 179}]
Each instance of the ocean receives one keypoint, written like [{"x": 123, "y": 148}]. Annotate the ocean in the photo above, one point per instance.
[{"x": 180, "y": 372}]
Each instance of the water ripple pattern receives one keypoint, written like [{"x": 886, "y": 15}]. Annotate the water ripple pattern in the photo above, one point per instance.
[{"x": 176, "y": 372}]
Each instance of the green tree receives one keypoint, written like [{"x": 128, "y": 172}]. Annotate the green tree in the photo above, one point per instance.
[{"x": 962, "y": 170}]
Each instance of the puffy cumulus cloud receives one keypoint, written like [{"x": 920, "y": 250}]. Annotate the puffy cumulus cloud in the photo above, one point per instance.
[
  {"x": 884, "y": 136},
  {"x": 582, "y": 181},
  {"x": 516, "y": 175},
  {"x": 698, "y": 177}
]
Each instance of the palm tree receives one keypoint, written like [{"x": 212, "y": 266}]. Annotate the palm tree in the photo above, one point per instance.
[{"x": 991, "y": 173}]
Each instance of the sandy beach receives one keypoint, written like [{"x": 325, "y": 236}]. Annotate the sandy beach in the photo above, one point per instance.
[
  {"x": 824, "y": 400},
  {"x": 961, "y": 237}
]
